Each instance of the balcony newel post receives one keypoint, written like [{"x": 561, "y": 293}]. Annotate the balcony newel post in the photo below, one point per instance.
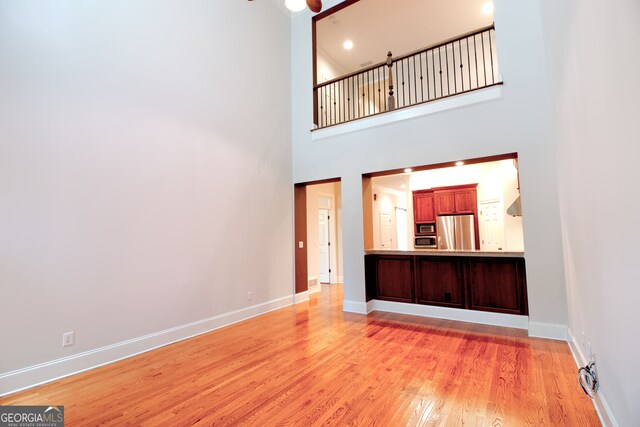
[{"x": 391, "y": 100}]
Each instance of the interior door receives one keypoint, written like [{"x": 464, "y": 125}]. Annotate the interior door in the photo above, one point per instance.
[
  {"x": 324, "y": 273},
  {"x": 385, "y": 230},
  {"x": 491, "y": 226}
]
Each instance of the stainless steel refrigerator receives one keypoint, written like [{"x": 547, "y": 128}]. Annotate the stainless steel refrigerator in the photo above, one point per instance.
[{"x": 456, "y": 232}]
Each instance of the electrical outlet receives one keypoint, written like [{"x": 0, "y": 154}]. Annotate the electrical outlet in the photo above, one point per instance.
[
  {"x": 67, "y": 339},
  {"x": 249, "y": 296}
]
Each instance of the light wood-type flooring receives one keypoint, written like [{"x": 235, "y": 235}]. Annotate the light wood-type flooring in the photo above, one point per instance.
[{"x": 312, "y": 364}]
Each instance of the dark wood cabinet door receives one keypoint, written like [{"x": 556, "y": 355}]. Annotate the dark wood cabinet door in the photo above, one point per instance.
[
  {"x": 496, "y": 284},
  {"x": 394, "y": 278},
  {"x": 445, "y": 202},
  {"x": 423, "y": 209},
  {"x": 439, "y": 282},
  {"x": 465, "y": 201}
]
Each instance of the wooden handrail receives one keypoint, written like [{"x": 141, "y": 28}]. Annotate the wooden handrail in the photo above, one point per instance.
[{"x": 407, "y": 55}]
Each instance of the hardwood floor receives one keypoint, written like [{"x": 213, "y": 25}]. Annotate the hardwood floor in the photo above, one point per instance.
[{"x": 312, "y": 364}]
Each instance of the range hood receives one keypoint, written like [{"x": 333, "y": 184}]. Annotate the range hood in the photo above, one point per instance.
[{"x": 516, "y": 208}]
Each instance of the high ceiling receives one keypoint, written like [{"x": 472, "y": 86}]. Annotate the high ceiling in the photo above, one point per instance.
[{"x": 401, "y": 26}]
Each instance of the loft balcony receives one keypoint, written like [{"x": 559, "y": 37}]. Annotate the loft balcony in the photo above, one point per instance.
[{"x": 452, "y": 67}]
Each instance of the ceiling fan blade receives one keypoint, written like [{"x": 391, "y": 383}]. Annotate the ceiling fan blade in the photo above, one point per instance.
[{"x": 315, "y": 5}]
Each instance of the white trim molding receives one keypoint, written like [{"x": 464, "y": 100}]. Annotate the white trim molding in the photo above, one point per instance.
[
  {"x": 547, "y": 330},
  {"x": 354, "y": 307},
  {"x": 20, "y": 379},
  {"x": 471, "y": 316},
  {"x": 602, "y": 407},
  {"x": 462, "y": 100},
  {"x": 301, "y": 297}
]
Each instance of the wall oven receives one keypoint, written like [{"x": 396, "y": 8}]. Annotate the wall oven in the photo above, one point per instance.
[{"x": 426, "y": 242}]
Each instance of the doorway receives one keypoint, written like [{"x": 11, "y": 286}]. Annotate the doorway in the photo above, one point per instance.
[{"x": 318, "y": 242}]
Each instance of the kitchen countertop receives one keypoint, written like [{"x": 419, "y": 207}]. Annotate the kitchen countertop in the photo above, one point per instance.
[{"x": 445, "y": 252}]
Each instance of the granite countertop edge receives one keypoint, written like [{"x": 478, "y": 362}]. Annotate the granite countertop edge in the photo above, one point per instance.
[{"x": 442, "y": 252}]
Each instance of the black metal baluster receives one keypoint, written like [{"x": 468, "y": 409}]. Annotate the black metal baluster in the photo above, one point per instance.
[
  {"x": 440, "y": 65},
  {"x": 421, "y": 80},
  {"x": 475, "y": 53},
  {"x": 356, "y": 99},
  {"x": 342, "y": 100},
  {"x": 461, "y": 66},
  {"x": 408, "y": 79},
  {"x": 484, "y": 59},
  {"x": 468, "y": 61},
  {"x": 453, "y": 56},
  {"x": 426, "y": 66},
  {"x": 446, "y": 57},
  {"x": 368, "y": 107},
  {"x": 415, "y": 80},
  {"x": 404, "y": 97},
  {"x": 369, "y": 93},
  {"x": 433, "y": 63},
  {"x": 379, "y": 92},
  {"x": 396, "y": 84},
  {"x": 353, "y": 92},
  {"x": 323, "y": 112},
  {"x": 333, "y": 103},
  {"x": 493, "y": 76}
]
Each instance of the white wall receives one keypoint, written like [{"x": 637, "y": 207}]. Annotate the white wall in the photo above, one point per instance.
[
  {"x": 145, "y": 168},
  {"x": 517, "y": 123},
  {"x": 596, "y": 92}
]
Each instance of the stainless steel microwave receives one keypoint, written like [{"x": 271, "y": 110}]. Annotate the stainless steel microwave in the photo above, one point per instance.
[
  {"x": 426, "y": 228},
  {"x": 426, "y": 242}
]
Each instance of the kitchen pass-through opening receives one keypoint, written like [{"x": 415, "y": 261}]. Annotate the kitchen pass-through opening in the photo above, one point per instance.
[{"x": 462, "y": 205}]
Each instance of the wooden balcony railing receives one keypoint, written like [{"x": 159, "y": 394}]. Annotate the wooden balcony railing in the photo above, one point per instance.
[{"x": 463, "y": 64}]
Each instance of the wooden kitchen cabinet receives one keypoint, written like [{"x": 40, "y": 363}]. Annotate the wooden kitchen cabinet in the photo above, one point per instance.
[
  {"x": 460, "y": 199},
  {"x": 394, "y": 278},
  {"x": 497, "y": 284},
  {"x": 465, "y": 201},
  {"x": 439, "y": 281},
  {"x": 445, "y": 202},
  {"x": 423, "y": 207}
]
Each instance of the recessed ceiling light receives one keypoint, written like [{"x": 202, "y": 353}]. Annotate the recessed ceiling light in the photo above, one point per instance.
[
  {"x": 459, "y": 163},
  {"x": 348, "y": 44},
  {"x": 487, "y": 8},
  {"x": 295, "y": 5},
  {"x": 408, "y": 170}
]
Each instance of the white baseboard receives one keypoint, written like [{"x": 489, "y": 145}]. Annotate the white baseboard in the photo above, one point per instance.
[
  {"x": 602, "y": 407},
  {"x": 354, "y": 307},
  {"x": 548, "y": 330},
  {"x": 20, "y": 379},
  {"x": 340, "y": 279},
  {"x": 301, "y": 297},
  {"x": 471, "y": 316}
]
